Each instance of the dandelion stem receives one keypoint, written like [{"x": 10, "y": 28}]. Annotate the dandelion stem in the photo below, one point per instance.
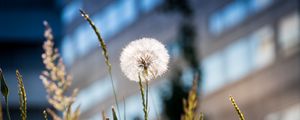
[
  {"x": 143, "y": 98},
  {"x": 147, "y": 93},
  {"x": 104, "y": 52}
]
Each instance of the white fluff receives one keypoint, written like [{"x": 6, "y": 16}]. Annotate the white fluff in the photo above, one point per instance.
[{"x": 151, "y": 51}]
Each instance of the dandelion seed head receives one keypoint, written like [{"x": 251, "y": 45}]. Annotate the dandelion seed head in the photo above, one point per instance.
[{"x": 146, "y": 57}]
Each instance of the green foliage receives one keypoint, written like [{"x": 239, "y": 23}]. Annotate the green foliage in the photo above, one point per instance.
[
  {"x": 4, "y": 88},
  {"x": 5, "y": 92}
]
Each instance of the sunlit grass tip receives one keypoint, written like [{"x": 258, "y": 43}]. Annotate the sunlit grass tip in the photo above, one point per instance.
[
  {"x": 190, "y": 104},
  {"x": 22, "y": 96},
  {"x": 237, "y": 109},
  {"x": 104, "y": 53}
]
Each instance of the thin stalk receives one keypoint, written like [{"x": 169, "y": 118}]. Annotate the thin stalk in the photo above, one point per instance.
[
  {"x": 1, "y": 115},
  {"x": 104, "y": 52},
  {"x": 237, "y": 109},
  {"x": 7, "y": 109},
  {"x": 124, "y": 108},
  {"x": 147, "y": 93},
  {"x": 143, "y": 98}
]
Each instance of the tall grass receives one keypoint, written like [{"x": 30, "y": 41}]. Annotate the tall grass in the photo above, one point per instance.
[
  {"x": 22, "y": 95},
  {"x": 104, "y": 53}
]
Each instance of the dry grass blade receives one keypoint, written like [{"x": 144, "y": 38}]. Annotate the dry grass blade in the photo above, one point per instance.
[
  {"x": 55, "y": 78},
  {"x": 22, "y": 95},
  {"x": 190, "y": 105},
  {"x": 53, "y": 114},
  {"x": 237, "y": 109},
  {"x": 104, "y": 53}
]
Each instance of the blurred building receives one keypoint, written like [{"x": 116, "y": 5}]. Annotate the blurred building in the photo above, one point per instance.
[{"x": 249, "y": 49}]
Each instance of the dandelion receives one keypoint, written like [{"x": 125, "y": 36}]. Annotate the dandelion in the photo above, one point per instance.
[
  {"x": 144, "y": 60},
  {"x": 146, "y": 57}
]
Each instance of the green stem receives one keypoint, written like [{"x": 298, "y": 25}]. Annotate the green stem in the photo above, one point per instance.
[
  {"x": 115, "y": 93},
  {"x": 104, "y": 52},
  {"x": 7, "y": 109},
  {"x": 143, "y": 99},
  {"x": 147, "y": 91}
]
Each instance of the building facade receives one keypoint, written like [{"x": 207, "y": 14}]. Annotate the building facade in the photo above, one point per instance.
[{"x": 248, "y": 49}]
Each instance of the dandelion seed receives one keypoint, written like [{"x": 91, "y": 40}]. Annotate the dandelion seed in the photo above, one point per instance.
[{"x": 146, "y": 57}]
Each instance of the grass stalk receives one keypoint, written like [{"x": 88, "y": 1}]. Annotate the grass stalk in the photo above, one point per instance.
[
  {"x": 236, "y": 107},
  {"x": 114, "y": 114},
  {"x": 104, "y": 53},
  {"x": 22, "y": 95},
  {"x": 7, "y": 108}
]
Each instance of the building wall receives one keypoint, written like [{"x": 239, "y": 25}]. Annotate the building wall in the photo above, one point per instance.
[{"x": 247, "y": 57}]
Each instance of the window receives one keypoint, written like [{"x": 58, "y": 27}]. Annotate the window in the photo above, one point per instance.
[
  {"x": 234, "y": 13},
  {"x": 289, "y": 37},
  {"x": 258, "y": 5},
  {"x": 67, "y": 50},
  {"x": 290, "y": 113},
  {"x": 147, "y": 5},
  {"x": 213, "y": 72},
  {"x": 262, "y": 47},
  {"x": 70, "y": 11},
  {"x": 216, "y": 23},
  {"x": 81, "y": 40},
  {"x": 88, "y": 97},
  {"x": 129, "y": 11},
  {"x": 237, "y": 60}
]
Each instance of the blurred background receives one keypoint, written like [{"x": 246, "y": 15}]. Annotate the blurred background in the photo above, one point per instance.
[{"x": 245, "y": 48}]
